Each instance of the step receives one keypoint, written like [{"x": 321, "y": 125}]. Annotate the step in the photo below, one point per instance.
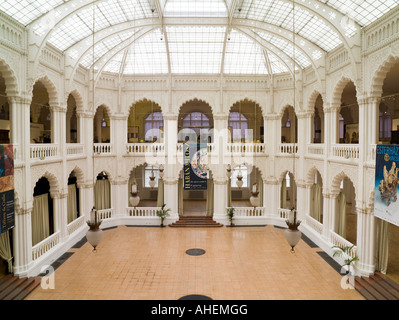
[
  {"x": 368, "y": 290},
  {"x": 378, "y": 286},
  {"x": 25, "y": 282},
  {"x": 6, "y": 281},
  {"x": 388, "y": 280},
  {"x": 9, "y": 289},
  {"x": 362, "y": 290},
  {"x": 32, "y": 284}
]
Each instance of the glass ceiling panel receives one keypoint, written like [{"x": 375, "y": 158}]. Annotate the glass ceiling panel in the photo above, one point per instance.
[
  {"x": 103, "y": 47},
  {"x": 287, "y": 47},
  {"x": 276, "y": 65},
  {"x": 279, "y": 13},
  {"x": 195, "y": 8},
  {"x": 147, "y": 56},
  {"x": 196, "y": 49},
  {"x": 243, "y": 56},
  {"x": 106, "y": 13},
  {"x": 114, "y": 64},
  {"x": 365, "y": 11},
  {"x": 26, "y": 11}
]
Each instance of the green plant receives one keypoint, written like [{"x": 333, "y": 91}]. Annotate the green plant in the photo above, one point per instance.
[
  {"x": 163, "y": 213},
  {"x": 230, "y": 215},
  {"x": 345, "y": 251}
]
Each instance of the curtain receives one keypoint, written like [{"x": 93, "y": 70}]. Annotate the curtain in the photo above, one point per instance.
[
  {"x": 180, "y": 196},
  {"x": 317, "y": 201},
  {"x": 160, "y": 197},
  {"x": 209, "y": 198},
  {"x": 283, "y": 197},
  {"x": 5, "y": 249},
  {"x": 260, "y": 189},
  {"x": 40, "y": 219},
  {"x": 102, "y": 194},
  {"x": 340, "y": 215},
  {"x": 229, "y": 193},
  {"x": 382, "y": 246},
  {"x": 72, "y": 203}
]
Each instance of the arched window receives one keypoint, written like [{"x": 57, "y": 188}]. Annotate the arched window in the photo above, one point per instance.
[
  {"x": 196, "y": 121},
  {"x": 239, "y": 124},
  {"x": 153, "y": 124}
]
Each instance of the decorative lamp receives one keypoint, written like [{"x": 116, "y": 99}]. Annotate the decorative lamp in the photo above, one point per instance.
[
  {"x": 228, "y": 171},
  {"x": 152, "y": 179},
  {"x": 292, "y": 234},
  {"x": 254, "y": 199},
  {"x": 161, "y": 171},
  {"x": 94, "y": 234},
  {"x": 239, "y": 180},
  {"x": 134, "y": 198}
]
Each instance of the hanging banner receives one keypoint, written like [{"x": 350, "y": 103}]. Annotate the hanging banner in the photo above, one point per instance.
[
  {"x": 7, "y": 220},
  {"x": 386, "y": 204},
  {"x": 195, "y": 160}
]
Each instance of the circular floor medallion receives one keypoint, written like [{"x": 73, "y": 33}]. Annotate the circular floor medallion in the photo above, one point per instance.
[
  {"x": 195, "y": 252},
  {"x": 195, "y": 297}
]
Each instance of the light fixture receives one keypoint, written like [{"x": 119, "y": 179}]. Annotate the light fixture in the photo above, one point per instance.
[
  {"x": 161, "y": 171},
  {"x": 239, "y": 181},
  {"x": 254, "y": 199},
  {"x": 94, "y": 234},
  {"x": 292, "y": 234},
  {"x": 228, "y": 171},
  {"x": 134, "y": 198},
  {"x": 152, "y": 178}
]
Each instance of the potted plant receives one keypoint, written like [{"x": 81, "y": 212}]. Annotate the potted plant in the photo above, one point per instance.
[
  {"x": 345, "y": 251},
  {"x": 230, "y": 215},
  {"x": 163, "y": 213}
]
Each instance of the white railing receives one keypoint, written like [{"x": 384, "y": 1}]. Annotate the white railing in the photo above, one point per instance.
[
  {"x": 346, "y": 151},
  {"x": 239, "y": 147},
  {"x": 74, "y": 148},
  {"x": 102, "y": 148},
  {"x": 288, "y": 148},
  {"x": 314, "y": 224},
  {"x": 249, "y": 211},
  {"x": 284, "y": 213},
  {"x": 145, "y": 147},
  {"x": 339, "y": 241},
  {"x": 43, "y": 150},
  {"x": 142, "y": 211},
  {"x": 316, "y": 149},
  {"x": 45, "y": 245},
  {"x": 75, "y": 225},
  {"x": 105, "y": 213}
]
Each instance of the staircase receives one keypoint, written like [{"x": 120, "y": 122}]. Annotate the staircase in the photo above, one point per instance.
[
  {"x": 195, "y": 222},
  {"x": 377, "y": 287},
  {"x": 15, "y": 288}
]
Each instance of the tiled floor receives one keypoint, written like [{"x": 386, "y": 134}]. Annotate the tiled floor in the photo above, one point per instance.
[{"x": 240, "y": 263}]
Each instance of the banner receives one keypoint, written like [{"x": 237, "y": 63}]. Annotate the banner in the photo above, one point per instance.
[
  {"x": 195, "y": 160},
  {"x": 7, "y": 220},
  {"x": 386, "y": 206}
]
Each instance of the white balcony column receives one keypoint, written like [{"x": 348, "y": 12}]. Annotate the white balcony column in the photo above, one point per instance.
[
  {"x": 329, "y": 205},
  {"x": 171, "y": 196},
  {"x": 87, "y": 199},
  {"x": 22, "y": 238},
  {"x": 372, "y": 132},
  {"x": 220, "y": 198},
  {"x": 272, "y": 133},
  {"x": 58, "y": 125},
  {"x": 220, "y": 138},
  {"x": 170, "y": 125},
  {"x": 301, "y": 200},
  {"x": 365, "y": 241},
  {"x": 60, "y": 212},
  {"x": 119, "y": 196},
  {"x": 331, "y": 113},
  {"x": 308, "y": 207},
  {"x": 271, "y": 197},
  {"x": 119, "y": 134}
]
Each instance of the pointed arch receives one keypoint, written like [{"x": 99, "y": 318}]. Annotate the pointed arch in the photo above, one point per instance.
[
  {"x": 379, "y": 76},
  {"x": 10, "y": 79},
  {"x": 51, "y": 90}
]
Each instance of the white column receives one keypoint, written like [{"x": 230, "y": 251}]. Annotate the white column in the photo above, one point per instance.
[
  {"x": 22, "y": 238},
  {"x": 365, "y": 241},
  {"x": 170, "y": 125},
  {"x": 220, "y": 199},
  {"x": 328, "y": 214},
  {"x": 220, "y": 138},
  {"x": 119, "y": 197},
  {"x": 60, "y": 213},
  {"x": 171, "y": 197}
]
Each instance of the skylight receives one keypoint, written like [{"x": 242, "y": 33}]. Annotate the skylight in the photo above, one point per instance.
[
  {"x": 243, "y": 56},
  {"x": 196, "y": 49},
  {"x": 195, "y": 8}
]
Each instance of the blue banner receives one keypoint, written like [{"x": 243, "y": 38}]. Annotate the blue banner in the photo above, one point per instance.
[
  {"x": 195, "y": 173},
  {"x": 386, "y": 206},
  {"x": 7, "y": 219}
]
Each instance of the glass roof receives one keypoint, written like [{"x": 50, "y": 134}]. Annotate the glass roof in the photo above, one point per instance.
[
  {"x": 188, "y": 46},
  {"x": 196, "y": 49}
]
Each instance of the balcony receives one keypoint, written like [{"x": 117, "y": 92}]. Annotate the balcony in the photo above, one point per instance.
[
  {"x": 345, "y": 151},
  {"x": 41, "y": 151},
  {"x": 151, "y": 149},
  {"x": 103, "y": 148}
]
